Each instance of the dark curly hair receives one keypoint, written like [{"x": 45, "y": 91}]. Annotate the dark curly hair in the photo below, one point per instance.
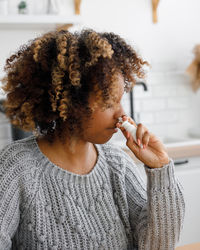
[{"x": 48, "y": 81}]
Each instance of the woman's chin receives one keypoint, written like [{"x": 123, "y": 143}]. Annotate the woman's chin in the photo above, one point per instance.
[{"x": 102, "y": 139}]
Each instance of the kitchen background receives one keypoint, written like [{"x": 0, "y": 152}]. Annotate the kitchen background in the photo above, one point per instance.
[{"x": 169, "y": 107}]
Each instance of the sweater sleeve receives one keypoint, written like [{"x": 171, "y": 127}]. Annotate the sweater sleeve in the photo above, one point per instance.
[
  {"x": 9, "y": 200},
  {"x": 156, "y": 210}
]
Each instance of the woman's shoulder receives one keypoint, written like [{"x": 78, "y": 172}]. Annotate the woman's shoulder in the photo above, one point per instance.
[
  {"x": 18, "y": 173},
  {"x": 17, "y": 152}
]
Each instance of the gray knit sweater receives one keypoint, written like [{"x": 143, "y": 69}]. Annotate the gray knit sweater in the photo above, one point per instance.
[{"x": 43, "y": 206}]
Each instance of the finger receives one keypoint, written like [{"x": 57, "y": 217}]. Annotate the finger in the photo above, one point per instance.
[
  {"x": 139, "y": 133},
  {"x": 124, "y": 117},
  {"x": 145, "y": 139},
  {"x": 126, "y": 134},
  {"x": 132, "y": 145}
]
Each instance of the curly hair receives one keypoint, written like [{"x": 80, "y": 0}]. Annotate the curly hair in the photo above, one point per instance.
[{"x": 48, "y": 81}]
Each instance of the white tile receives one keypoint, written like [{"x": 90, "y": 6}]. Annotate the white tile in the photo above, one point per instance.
[
  {"x": 126, "y": 106},
  {"x": 137, "y": 105},
  {"x": 153, "y": 104},
  {"x": 159, "y": 130},
  {"x": 178, "y": 103},
  {"x": 155, "y": 78},
  {"x": 177, "y": 130},
  {"x": 184, "y": 90},
  {"x": 145, "y": 118},
  {"x": 164, "y": 91},
  {"x": 138, "y": 92},
  {"x": 166, "y": 117}
]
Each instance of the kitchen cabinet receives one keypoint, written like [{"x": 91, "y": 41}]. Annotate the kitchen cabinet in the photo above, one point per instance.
[{"x": 189, "y": 176}]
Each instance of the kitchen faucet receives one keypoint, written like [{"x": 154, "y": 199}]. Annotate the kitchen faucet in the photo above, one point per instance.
[{"x": 132, "y": 99}]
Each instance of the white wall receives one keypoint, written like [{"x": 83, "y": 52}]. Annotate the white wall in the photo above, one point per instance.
[
  {"x": 171, "y": 39},
  {"x": 169, "y": 107}
]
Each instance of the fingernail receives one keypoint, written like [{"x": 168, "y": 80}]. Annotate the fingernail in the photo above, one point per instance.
[
  {"x": 138, "y": 142},
  {"x": 144, "y": 146}
]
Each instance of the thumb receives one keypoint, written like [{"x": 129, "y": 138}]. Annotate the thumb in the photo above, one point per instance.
[{"x": 132, "y": 144}]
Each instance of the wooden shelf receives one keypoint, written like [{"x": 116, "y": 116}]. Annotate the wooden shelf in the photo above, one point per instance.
[{"x": 36, "y": 21}]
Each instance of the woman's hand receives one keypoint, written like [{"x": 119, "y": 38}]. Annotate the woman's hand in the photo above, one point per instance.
[{"x": 153, "y": 154}]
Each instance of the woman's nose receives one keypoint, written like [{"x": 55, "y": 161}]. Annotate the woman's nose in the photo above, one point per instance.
[{"x": 119, "y": 112}]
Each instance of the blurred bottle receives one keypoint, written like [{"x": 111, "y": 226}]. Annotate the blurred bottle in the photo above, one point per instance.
[
  {"x": 3, "y": 7},
  {"x": 37, "y": 7},
  {"x": 61, "y": 7}
]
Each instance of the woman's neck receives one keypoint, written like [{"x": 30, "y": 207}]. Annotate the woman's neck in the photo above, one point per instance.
[{"x": 78, "y": 158}]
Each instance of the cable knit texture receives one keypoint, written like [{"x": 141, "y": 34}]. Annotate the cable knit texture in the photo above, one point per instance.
[{"x": 43, "y": 206}]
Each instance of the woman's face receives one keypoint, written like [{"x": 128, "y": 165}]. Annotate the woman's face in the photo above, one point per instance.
[{"x": 102, "y": 124}]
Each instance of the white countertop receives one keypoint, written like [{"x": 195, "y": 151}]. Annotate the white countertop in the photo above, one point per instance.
[{"x": 180, "y": 148}]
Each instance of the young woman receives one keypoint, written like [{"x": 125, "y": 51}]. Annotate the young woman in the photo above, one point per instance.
[{"x": 66, "y": 187}]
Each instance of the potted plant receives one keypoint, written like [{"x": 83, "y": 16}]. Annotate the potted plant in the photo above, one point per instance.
[{"x": 22, "y": 7}]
